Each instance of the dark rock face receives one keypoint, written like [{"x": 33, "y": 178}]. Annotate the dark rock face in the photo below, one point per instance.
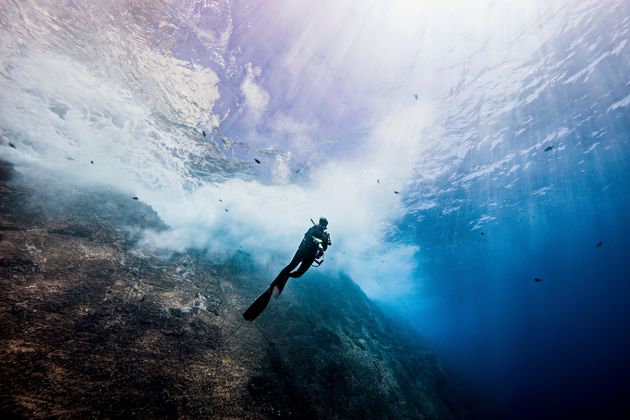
[{"x": 91, "y": 325}]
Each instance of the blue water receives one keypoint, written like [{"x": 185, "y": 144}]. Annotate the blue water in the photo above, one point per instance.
[
  {"x": 557, "y": 347},
  {"x": 530, "y": 348},
  {"x": 504, "y": 129}
]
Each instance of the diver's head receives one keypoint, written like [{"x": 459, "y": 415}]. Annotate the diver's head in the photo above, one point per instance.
[{"x": 323, "y": 222}]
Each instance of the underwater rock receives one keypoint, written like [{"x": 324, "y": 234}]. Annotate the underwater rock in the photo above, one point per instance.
[
  {"x": 78, "y": 231},
  {"x": 17, "y": 265},
  {"x": 95, "y": 325},
  {"x": 6, "y": 171}
]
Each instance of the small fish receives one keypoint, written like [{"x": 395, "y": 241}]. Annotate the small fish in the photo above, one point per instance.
[
  {"x": 257, "y": 161},
  {"x": 600, "y": 243},
  {"x": 537, "y": 279},
  {"x": 69, "y": 158},
  {"x": 415, "y": 95},
  {"x": 227, "y": 211},
  {"x": 220, "y": 200},
  {"x": 483, "y": 234},
  {"x": 92, "y": 162},
  {"x": 378, "y": 181},
  {"x": 203, "y": 132},
  {"x": 135, "y": 198},
  {"x": 549, "y": 148},
  {"x": 12, "y": 145},
  {"x": 396, "y": 192},
  {"x": 297, "y": 171}
]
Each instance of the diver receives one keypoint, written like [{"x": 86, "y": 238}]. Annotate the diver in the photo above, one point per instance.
[{"x": 315, "y": 242}]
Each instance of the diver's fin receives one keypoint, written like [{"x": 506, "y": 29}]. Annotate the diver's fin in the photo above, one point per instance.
[{"x": 258, "y": 306}]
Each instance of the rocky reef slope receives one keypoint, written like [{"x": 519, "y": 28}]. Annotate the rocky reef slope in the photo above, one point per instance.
[{"x": 94, "y": 325}]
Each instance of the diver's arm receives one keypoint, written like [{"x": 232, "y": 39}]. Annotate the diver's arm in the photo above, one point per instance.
[{"x": 326, "y": 240}]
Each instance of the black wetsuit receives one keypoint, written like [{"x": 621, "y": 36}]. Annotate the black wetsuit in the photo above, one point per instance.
[
  {"x": 308, "y": 252},
  {"x": 305, "y": 255}
]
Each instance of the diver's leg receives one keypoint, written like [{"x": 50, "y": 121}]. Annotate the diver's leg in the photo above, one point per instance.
[
  {"x": 306, "y": 264},
  {"x": 280, "y": 281},
  {"x": 297, "y": 258}
]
